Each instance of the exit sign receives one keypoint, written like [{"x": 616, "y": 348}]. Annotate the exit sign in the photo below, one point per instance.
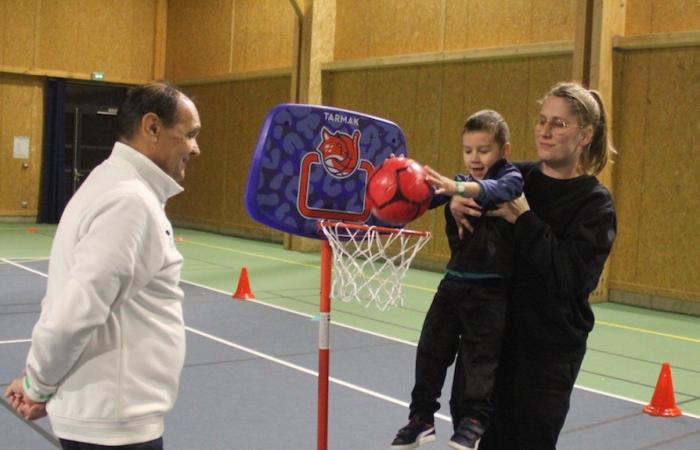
[{"x": 97, "y": 76}]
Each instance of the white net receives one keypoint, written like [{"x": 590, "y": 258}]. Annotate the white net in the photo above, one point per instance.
[{"x": 369, "y": 263}]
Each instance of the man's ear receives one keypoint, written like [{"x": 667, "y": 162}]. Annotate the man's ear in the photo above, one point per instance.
[{"x": 150, "y": 125}]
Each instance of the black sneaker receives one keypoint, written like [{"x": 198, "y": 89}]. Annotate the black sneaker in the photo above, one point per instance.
[
  {"x": 467, "y": 435},
  {"x": 413, "y": 435}
]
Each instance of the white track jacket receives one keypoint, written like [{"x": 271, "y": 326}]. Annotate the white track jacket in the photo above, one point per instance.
[{"x": 109, "y": 345}]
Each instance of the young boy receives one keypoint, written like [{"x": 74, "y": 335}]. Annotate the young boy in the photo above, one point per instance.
[{"x": 469, "y": 309}]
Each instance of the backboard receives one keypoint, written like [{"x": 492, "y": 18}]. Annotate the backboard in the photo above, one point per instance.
[{"x": 313, "y": 162}]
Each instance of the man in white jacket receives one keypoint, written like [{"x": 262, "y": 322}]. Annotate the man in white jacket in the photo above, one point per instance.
[{"x": 109, "y": 346}]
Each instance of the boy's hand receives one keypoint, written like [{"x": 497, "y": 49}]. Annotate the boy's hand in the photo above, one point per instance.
[
  {"x": 512, "y": 210},
  {"x": 442, "y": 184},
  {"x": 461, "y": 207}
]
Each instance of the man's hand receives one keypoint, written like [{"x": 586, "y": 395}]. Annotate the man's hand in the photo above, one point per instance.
[
  {"x": 24, "y": 406},
  {"x": 512, "y": 210},
  {"x": 461, "y": 208}
]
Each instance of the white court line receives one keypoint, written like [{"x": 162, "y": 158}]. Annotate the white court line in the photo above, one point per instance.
[
  {"x": 22, "y": 266},
  {"x": 15, "y": 341},
  {"x": 337, "y": 381},
  {"x": 281, "y": 308},
  {"x": 272, "y": 358},
  {"x": 331, "y": 379}
]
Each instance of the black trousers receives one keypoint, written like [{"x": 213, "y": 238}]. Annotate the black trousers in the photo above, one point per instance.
[
  {"x": 531, "y": 402},
  {"x": 156, "y": 444},
  {"x": 469, "y": 317}
]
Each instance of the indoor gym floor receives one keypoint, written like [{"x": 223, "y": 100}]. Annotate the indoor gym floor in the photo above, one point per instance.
[{"x": 250, "y": 374}]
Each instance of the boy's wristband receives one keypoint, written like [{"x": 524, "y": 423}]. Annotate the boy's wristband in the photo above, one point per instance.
[{"x": 460, "y": 187}]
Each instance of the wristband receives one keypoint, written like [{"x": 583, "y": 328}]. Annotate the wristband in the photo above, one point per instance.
[
  {"x": 27, "y": 388},
  {"x": 460, "y": 187}
]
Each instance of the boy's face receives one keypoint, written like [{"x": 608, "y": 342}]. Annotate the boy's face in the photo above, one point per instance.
[{"x": 480, "y": 152}]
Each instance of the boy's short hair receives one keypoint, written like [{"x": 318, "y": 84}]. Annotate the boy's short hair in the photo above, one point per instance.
[{"x": 490, "y": 121}]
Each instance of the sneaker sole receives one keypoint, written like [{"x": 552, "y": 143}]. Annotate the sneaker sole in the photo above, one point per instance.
[
  {"x": 457, "y": 446},
  {"x": 424, "y": 438}
]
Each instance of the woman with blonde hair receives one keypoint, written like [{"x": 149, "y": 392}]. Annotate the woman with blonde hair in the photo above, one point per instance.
[{"x": 564, "y": 226}]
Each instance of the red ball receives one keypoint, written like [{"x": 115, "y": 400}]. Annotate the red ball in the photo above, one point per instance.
[{"x": 397, "y": 191}]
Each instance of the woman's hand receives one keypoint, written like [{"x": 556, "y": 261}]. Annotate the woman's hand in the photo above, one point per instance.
[
  {"x": 461, "y": 208},
  {"x": 512, "y": 210}
]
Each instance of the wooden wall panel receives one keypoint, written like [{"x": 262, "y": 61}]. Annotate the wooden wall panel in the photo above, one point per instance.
[
  {"x": 367, "y": 28},
  {"x": 656, "y": 185},
  {"x": 72, "y": 38},
  {"x": 99, "y": 27},
  {"x": 21, "y": 111},
  {"x": 142, "y": 51},
  {"x": 232, "y": 114},
  {"x": 431, "y": 103},
  {"x": 239, "y": 36},
  {"x": 199, "y": 38},
  {"x": 263, "y": 35},
  {"x": 58, "y": 34},
  {"x": 661, "y": 16},
  {"x": 18, "y": 22}
]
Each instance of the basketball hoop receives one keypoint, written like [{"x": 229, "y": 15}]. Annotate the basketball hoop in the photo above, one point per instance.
[{"x": 370, "y": 262}]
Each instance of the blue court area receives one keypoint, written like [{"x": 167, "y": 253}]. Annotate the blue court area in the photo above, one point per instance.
[{"x": 250, "y": 382}]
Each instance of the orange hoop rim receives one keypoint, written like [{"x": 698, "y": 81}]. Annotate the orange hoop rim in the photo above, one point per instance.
[{"x": 362, "y": 227}]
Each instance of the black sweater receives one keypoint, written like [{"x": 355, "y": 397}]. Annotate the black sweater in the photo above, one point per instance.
[
  {"x": 561, "y": 246},
  {"x": 488, "y": 251}
]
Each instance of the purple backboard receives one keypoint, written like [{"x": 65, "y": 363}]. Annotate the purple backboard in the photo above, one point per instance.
[{"x": 312, "y": 163}]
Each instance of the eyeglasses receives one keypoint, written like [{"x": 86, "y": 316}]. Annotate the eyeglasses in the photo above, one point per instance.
[{"x": 556, "y": 124}]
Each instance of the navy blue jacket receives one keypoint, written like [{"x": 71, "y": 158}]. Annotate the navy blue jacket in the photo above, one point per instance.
[{"x": 488, "y": 252}]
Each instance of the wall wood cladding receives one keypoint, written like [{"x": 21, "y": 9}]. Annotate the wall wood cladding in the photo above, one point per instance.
[
  {"x": 661, "y": 16},
  {"x": 21, "y": 114},
  {"x": 367, "y": 28},
  {"x": 238, "y": 36},
  {"x": 657, "y": 191},
  {"x": 72, "y": 38}
]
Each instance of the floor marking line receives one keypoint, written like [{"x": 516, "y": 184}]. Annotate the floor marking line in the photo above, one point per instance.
[
  {"x": 288, "y": 261},
  {"x": 15, "y": 341},
  {"x": 310, "y": 316},
  {"x": 22, "y": 266},
  {"x": 442, "y": 417},
  {"x": 644, "y": 330},
  {"x": 299, "y": 368}
]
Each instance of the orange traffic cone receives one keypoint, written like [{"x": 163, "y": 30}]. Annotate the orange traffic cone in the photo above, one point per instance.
[
  {"x": 243, "y": 291},
  {"x": 31, "y": 230},
  {"x": 663, "y": 403}
]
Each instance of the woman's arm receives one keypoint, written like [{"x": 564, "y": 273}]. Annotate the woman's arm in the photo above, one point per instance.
[{"x": 570, "y": 263}]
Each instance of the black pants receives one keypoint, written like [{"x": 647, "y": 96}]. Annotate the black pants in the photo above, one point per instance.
[
  {"x": 469, "y": 316},
  {"x": 531, "y": 402},
  {"x": 150, "y": 445}
]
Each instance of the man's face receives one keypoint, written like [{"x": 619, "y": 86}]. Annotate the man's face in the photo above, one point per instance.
[{"x": 176, "y": 145}]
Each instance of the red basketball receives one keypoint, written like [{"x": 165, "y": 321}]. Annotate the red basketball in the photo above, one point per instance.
[{"x": 397, "y": 191}]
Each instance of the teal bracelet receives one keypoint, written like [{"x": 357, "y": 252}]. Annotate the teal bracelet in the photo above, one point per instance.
[
  {"x": 27, "y": 388},
  {"x": 460, "y": 187}
]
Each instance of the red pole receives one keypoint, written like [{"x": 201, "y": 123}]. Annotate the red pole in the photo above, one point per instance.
[{"x": 323, "y": 345}]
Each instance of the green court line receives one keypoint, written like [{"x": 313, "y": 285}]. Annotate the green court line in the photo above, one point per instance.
[
  {"x": 645, "y": 331},
  {"x": 629, "y": 333},
  {"x": 287, "y": 261},
  {"x": 257, "y": 255}
]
